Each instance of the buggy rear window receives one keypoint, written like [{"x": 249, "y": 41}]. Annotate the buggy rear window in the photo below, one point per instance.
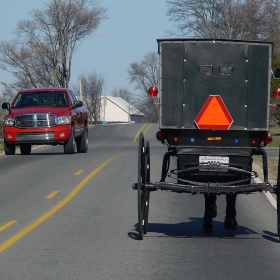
[
  {"x": 208, "y": 69},
  {"x": 226, "y": 70},
  {"x": 205, "y": 69}
]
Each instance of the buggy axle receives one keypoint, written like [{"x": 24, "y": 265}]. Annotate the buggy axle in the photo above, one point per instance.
[{"x": 213, "y": 188}]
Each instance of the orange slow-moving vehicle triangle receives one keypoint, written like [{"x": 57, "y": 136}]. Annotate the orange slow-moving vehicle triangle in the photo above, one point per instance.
[{"x": 214, "y": 114}]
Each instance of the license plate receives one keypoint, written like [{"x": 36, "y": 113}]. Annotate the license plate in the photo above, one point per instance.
[{"x": 213, "y": 159}]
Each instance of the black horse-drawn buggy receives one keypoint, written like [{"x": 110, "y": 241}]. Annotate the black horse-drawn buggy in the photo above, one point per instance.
[{"x": 214, "y": 117}]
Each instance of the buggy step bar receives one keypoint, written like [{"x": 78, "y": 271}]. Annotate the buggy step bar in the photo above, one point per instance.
[{"x": 213, "y": 188}]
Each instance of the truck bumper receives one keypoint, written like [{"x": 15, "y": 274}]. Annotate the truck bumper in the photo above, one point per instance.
[{"x": 53, "y": 135}]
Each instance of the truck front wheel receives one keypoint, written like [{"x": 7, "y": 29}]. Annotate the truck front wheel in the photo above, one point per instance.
[
  {"x": 69, "y": 146},
  {"x": 25, "y": 149},
  {"x": 82, "y": 142},
  {"x": 10, "y": 148}
]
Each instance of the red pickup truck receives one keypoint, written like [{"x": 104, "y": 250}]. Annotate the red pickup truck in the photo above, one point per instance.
[{"x": 43, "y": 116}]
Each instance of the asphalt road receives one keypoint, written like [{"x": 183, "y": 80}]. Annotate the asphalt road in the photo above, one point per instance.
[
  {"x": 75, "y": 217},
  {"x": 272, "y": 152}
]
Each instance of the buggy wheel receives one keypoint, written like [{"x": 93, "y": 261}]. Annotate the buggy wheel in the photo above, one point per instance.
[
  {"x": 147, "y": 192},
  {"x": 278, "y": 212},
  {"x": 142, "y": 172},
  {"x": 278, "y": 198}
]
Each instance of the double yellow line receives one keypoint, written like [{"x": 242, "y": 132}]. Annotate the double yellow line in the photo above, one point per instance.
[
  {"x": 139, "y": 131},
  {"x": 8, "y": 243},
  {"x": 53, "y": 210}
]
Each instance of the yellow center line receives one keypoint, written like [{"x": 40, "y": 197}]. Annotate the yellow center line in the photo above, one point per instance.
[
  {"x": 3, "y": 227},
  {"x": 53, "y": 210},
  {"x": 137, "y": 134},
  {"x": 79, "y": 172},
  {"x": 147, "y": 129},
  {"x": 52, "y": 194}
]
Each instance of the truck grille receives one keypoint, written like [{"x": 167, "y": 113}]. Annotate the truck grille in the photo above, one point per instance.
[
  {"x": 35, "y": 120},
  {"x": 43, "y": 137}
]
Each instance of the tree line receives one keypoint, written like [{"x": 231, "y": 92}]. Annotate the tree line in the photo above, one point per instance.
[{"x": 41, "y": 53}]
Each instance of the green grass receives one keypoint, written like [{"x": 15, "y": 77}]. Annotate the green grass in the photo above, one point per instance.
[
  {"x": 275, "y": 132},
  {"x": 272, "y": 165},
  {"x": 1, "y": 145}
]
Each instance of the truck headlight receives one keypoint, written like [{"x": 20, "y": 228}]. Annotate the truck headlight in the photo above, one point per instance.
[
  {"x": 8, "y": 122},
  {"x": 64, "y": 120}
]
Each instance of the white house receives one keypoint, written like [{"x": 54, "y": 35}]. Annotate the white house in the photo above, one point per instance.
[{"x": 116, "y": 109}]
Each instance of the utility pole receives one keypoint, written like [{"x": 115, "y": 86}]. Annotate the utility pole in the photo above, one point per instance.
[
  {"x": 104, "y": 103},
  {"x": 81, "y": 88},
  {"x": 54, "y": 78},
  {"x": 129, "y": 110}
]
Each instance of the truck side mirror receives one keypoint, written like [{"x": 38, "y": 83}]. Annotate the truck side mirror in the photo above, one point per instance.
[
  {"x": 276, "y": 73},
  {"x": 6, "y": 106},
  {"x": 78, "y": 103}
]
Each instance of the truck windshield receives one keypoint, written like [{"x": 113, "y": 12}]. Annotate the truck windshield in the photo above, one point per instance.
[{"x": 41, "y": 99}]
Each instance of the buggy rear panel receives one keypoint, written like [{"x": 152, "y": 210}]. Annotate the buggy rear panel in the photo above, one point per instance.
[{"x": 193, "y": 69}]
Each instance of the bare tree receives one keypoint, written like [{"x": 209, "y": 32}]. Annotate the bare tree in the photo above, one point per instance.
[
  {"x": 271, "y": 18},
  {"x": 8, "y": 93},
  {"x": 123, "y": 93},
  {"x": 231, "y": 19},
  {"x": 42, "y": 53},
  {"x": 143, "y": 75},
  {"x": 92, "y": 85}
]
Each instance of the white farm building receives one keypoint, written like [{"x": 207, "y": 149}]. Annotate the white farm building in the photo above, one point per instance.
[{"x": 116, "y": 109}]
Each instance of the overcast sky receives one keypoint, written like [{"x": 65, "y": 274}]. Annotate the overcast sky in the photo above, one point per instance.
[{"x": 125, "y": 37}]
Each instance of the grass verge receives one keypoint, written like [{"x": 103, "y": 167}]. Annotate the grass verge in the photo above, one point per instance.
[
  {"x": 272, "y": 163},
  {"x": 275, "y": 132},
  {"x": 1, "y": 145}
]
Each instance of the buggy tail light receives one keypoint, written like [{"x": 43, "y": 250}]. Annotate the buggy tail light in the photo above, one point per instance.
[
  {"x": 160, "y": 136},
  {"x": 276, "y": 92},
  {"x": 153, "y": 91},
  {"x": 267, "y": 138}
]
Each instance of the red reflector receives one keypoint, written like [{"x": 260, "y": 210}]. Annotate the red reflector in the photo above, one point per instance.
[
  {"x": 153, "y": 91},
  {"x": 267, "y": 138},
  {"x": 175, "y": 139},
  {"x": 276, "y": 92},
  {"x": 254, "y": 142},
  {"x": 160, "y": 136}
]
